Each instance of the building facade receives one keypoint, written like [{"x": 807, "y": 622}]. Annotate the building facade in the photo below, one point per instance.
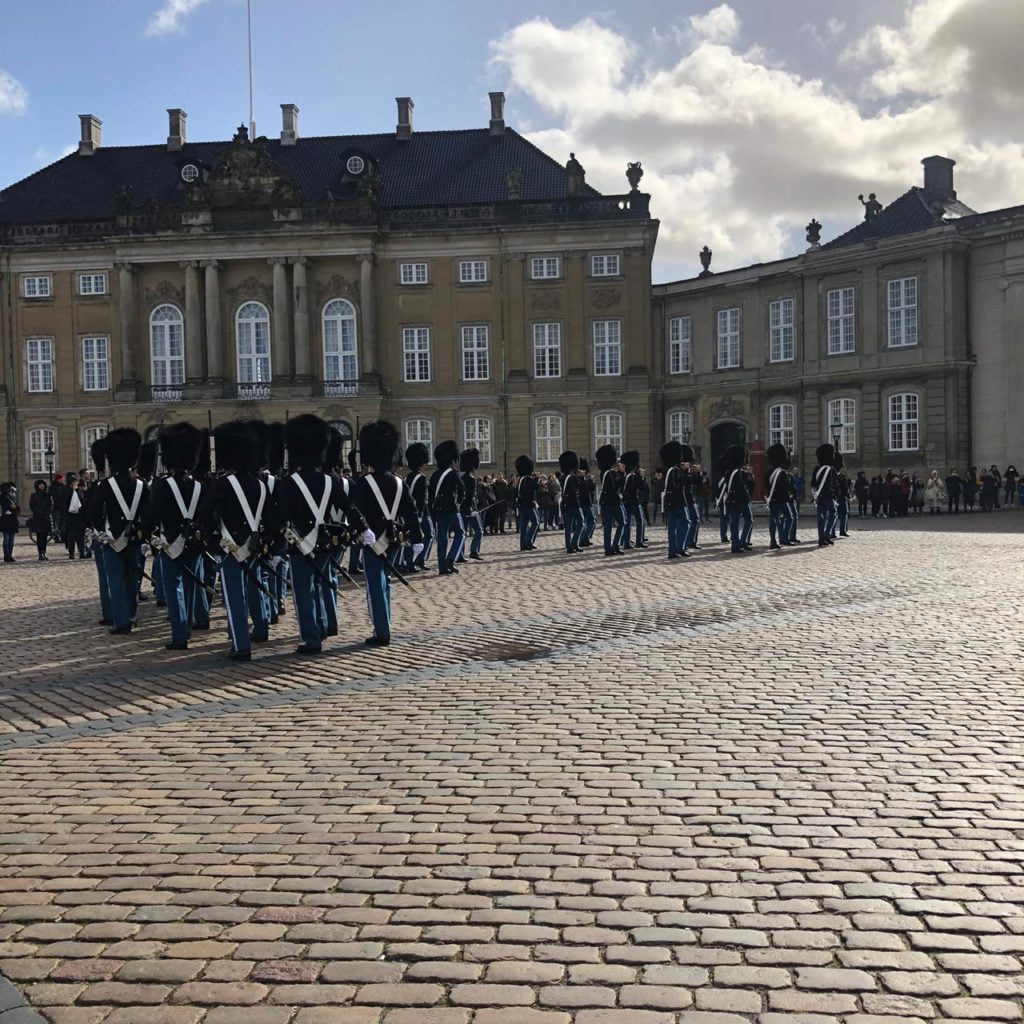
[{"x": 462, "y": 284}]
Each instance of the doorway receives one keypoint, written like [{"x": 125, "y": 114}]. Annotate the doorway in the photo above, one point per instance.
[{"x": 724, "y": 436}]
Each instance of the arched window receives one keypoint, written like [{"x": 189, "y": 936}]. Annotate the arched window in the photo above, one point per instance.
[
  {"x": 252, "y": 341},
  {"x": 345, "y": 429},
  {"x": 680, "y": 426},
  {"x": 42, "y": 450},
  {"x": 89, "y": 437},
  {"x": 608, "y": 430},
  {"x": 167, "y": 347},
  {"x": 904, "y": 423},
  {"x": 548, "y": 433},
  {"x": 341, "y": 360},
  {"x": 476, "y": 432},
  {"x": 844, "y": 410},
  {"x": 782, "y": 425},
  {"x": 421, "y": 431}
]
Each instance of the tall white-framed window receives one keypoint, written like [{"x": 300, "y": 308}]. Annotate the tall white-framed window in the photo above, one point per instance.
[
  {"x": 904, "y": 432},
  {"x": 845, "y": 411},
  {"x": 252, "y": 340},
  {"x": 547, "y": 437},
  {"x": 781, "y": 331},
  {"x": 840, "y": 308},
  {"x": 167, "y": 346},
  {"x": 94, "y": 283},
  {"x": 416, "y": 354},
  {"x": 547, "y": 350},
  {"x": 39, "y": 364},
  {"x": 341, "y": 342},
  {"x": 36, "y": 286},
  {"x": 476, "y": 433},
  {"x": 544, "y": 268},
  {"x": 90, "y": 435},
  {"x": 476, "y": 361},
  {"x": 680, "y": 344},
  {"x": 605, "y": 265},
  {"x": 608, "y": 430},
  {"x": 40, "y": 440},
  {"x": 96, "y": 364},
  {"x": 728, "y": 338},
  {"x": 472, "y": 271},
  {"x": 680, "y": 426},
  {"x": 413, "y": 273},
  {"x": 782, "y": 425},
  {"x": 903, "y": 312},
  {"x": 607, "y": 348},
  {"x": 420, "y": 431}
]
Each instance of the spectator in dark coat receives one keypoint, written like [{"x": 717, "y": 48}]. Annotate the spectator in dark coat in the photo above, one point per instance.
[
  {"x": 40, "y": 509},
  {"x": 9, "y": 511}
]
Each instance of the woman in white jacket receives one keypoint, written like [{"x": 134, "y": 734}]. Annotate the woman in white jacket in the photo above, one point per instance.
[{"x": 933, "y": 494}]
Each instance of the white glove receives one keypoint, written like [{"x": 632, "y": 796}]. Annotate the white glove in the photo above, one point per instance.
[
  {"x": 369, "y": 538},
  {"x": 417, "y": 550}
]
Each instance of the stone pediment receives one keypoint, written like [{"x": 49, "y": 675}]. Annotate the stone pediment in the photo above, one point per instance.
[{"x": 245, "y": 176}]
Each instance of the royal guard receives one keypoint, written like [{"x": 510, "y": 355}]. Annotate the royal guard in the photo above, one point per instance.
[
  {"x": 673, "y": 500},
  {"x": 526, "y": 503},
  {"x": 823, "y": 493},
  {"x": 417, "y": 458},
  {"x": 469, "y": 463},
  {"x": 572, "y": 497},
  {"x": 776, "y": 488},
  {"x": 631, "y": 486},
  {"x": 610, "y": 499},
  {"x": 736, "y": 494},
  {"x": 444, "y": 499}
]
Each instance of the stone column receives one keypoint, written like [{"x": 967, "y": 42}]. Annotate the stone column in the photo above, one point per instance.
[
  {"x": 300, "y": 295},
  {"x": 193, "y": 324},
  {"x": 281, "y": 341},
  {"x": 368, "y": 349},
  {"x": 214, "y": 341},
  {"x": 127, "y": 327}
]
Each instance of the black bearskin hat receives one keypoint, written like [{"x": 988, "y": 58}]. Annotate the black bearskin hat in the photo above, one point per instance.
[
  {"x": 778, "y": 456},
  {"x": 353, "y": 461},
  {"x": 606, "y": 457},
  {"x": 524, "y": 465},
  {"x": 631, "y": 460},
  {"x": 146, "y": 466},
  {"x": 334, "y": 461},
  {"x": 838, "y": 463},
  {"x": 98, "y": 454},
  {"x": 122, "y": 448},
  {"x": 275, "y": 448},
  {"x": 671, "y": 454},
  {"x": 417, "y": 456},
  {"x": 445, "y": 454},
  {"x": 263, "y": 432},
  {"x": 179, "y": 446},
  {"x": 203, "y": 468},
  {"x": 378, "y": 445},
  {"x": 306, "y": 438},
  {"x": 687, "y": 453},
  {"x": 237, "y": 446},
  {"x": 469, "y": 460},
  {"x": 735, "y": 456},
  {"x": 585, "y": 465},
  {"x": 568, "y": 462},
  {"x": 826, "y": 453}
]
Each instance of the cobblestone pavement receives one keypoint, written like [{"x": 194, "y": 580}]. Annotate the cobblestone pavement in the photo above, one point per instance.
[{"x": 784, "y": 788}]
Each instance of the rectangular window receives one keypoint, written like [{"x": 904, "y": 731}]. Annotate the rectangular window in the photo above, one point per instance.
[
  {"x": 845, "y": 411},
  {"x": 545, "y": 267},
  {"x": 95, "y": 364},
  {"x": 608, "y": 430},
  {"x": 37, "y": 286},
  {"x": 477, "y": 434},
  {"x": 680, "y": 345},
  {"x": 40, "y": 441},
  {"x": 840, "y": 310},
  {"x": 92, "y": 284},
  {"x": 781, "y": 332},
  {"x": 422, "y": 432},
  {"x": 903, "y": 423},
  {"x": 782, "y": 425},
  {"x": 39, "y": 353},
  {"x": 680, "y": 426},
  {"x": 413, "y": 273},
  {"x": 728, "y": 338},
  {"x": 604, "y": 266},
  {"x": 89, "y": 437},
  {"x": 475, "y": 353},
  {"x": 547, "y": 350},
  {"x": 416, "y": 352},
  {"x": 607, "y": 348},
  {"x": 547, "y": 432},
  {"x": 903, "y": 312},
  {"x": 472, "y": 271}
]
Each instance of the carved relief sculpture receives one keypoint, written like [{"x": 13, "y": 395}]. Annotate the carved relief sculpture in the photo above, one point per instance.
[
  {"x": 546, "y": 300},
  {"x": 165, "y": 292},
  {"x": 250, "y": 288},
  {"x": 727, "y": 408},
  {"x": 606, "y": 298}
]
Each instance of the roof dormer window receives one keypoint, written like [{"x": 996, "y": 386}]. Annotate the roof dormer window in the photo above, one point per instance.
[
  {"x": 189, "y": 173},
  {"x": 355, "y": 165}
]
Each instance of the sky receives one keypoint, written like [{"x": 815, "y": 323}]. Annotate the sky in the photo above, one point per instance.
[{"x": 750, "y": 117}]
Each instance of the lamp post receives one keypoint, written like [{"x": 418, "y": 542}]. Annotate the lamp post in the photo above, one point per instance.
[
  {"x": 837, "y": 431},
  {"x": 50, "y": 453}
]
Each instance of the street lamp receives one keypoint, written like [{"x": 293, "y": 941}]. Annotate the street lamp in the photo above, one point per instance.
[
  {"x": 50, "y": 453},
  {"x": 837, "y": 431}
]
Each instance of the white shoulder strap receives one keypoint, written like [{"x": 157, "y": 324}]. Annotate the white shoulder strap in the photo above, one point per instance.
[
  {"x": 188, "y": 512},
  {"x": 440, "y": 480},
  {"x": 664, "y": 486},
  {"x": 252, "y": 519},
  {"x": 773, "y": 482},
  {"x": 391, "y": 514},
  {"x": 128, "y": 513},
  {"x": 319, "y": 511}
]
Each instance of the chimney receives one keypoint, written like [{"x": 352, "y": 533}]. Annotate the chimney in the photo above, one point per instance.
[
  {"x": 175, "y": 129},
  {"x": 90, "y": 140},
  {"x": 938, "y": 177},
  {"x": 405, "y": 105},
  {"x": 289, "y": 124},
  {"x": 497, "y": 113}
]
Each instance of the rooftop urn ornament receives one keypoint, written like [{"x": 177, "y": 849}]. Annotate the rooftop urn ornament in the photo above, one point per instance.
[
  {"x": 814, "y": 234},
  {"x": 577, "y": 176},
  {"x": 514, "y": 182},
  {"x": 242, "y": 135},
  {"x": 705, "y": 262},
  {"x": 872, "y": 207},
  {"x": 634, "y": 172}
]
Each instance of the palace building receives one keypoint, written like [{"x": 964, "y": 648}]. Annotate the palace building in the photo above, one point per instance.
[{"x": 460, "y": 283}]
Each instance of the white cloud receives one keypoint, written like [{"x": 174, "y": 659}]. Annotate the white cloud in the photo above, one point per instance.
[
  {"x": 720, "y": 25},
  {"x": 13, "y": 97},
  {"x": 171, "y": 16},
  {"x": 740, "y": 151}
]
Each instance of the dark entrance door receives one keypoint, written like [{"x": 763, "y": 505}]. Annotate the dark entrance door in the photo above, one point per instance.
[{"x": 723, "y": 435}]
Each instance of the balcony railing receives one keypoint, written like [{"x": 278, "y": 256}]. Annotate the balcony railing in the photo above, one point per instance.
[
  {"x": 341, "y": 388},
  {"x": 256, "y": 392},
  {"x": 166, "y": 393}
]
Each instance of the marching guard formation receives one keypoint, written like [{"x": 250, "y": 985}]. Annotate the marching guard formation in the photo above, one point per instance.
[{"x": 267, "y": 509}]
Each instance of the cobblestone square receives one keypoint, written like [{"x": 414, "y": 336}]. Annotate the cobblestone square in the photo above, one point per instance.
[{"x": 784, "y": 788}]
